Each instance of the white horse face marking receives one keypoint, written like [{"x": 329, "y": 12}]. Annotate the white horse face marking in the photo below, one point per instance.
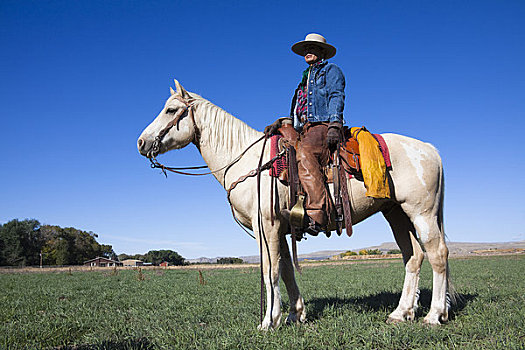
[
  {"x": 179, "y": 136},
  {"x": 416, "y": 157}
]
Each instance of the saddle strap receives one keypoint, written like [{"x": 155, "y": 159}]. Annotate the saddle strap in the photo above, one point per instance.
[
  {"x": 339, "y": 212},
  {"x": 293, "y": 179},
  {"x": 346, "y": 203}
]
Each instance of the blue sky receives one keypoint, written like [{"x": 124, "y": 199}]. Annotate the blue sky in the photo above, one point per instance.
[{"x": 81, "y": 79}]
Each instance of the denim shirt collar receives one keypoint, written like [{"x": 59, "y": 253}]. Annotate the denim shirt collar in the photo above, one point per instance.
[{"x": 320, "y": 64}]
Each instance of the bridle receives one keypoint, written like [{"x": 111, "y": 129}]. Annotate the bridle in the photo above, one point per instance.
[{"x": 155, "y": 147}]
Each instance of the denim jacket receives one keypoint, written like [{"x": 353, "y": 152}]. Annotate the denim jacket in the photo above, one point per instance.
[{"x": 326, "y": 95}]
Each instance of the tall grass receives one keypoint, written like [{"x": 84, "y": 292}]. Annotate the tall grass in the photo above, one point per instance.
[{"x": 347, "y": 306}]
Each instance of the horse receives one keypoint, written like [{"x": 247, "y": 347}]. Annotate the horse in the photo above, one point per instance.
[{"x": 230, "y": 149}]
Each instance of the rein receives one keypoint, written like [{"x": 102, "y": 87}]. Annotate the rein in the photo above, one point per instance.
[
  {"x": 177, "y": 170},
  {"x": 261, "y": 237}
]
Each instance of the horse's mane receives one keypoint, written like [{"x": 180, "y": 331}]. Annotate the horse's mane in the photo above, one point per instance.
[{"x": 222, "y": 129}]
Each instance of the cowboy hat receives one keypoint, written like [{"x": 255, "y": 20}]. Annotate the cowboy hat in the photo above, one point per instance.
[{"x": 314, "y": 39}]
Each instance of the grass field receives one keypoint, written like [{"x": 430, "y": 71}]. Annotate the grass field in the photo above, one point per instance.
[{"x": 347, "y": 306}]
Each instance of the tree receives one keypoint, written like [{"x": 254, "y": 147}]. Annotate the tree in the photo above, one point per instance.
[
  {"x": 2, "y": 261},
  {"x": 64, "y": 249},
  {"x": 123, "y": 256},
  {"x": 70, "y": 246},
  {"x": 21, "y": 242},
  {"x": 157, "y": 256},
  {"x": 230, "y": 261},
  {"x": 108, "y": 252}
]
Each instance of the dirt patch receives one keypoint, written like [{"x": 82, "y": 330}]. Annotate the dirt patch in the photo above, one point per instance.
[{"x": 499, "y": 251}]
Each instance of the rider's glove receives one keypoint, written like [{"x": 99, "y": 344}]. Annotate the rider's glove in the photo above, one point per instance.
[
  {"x": 272, "y": 128},
  {"x": 333, "y": 137}
]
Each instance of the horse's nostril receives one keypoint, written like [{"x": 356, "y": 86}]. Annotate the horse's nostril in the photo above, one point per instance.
[{"x": 140, "y": 142}]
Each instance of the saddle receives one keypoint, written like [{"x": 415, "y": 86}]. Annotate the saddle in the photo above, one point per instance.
[
  {"x": 349, "y": 152},
  {"x": 357, "y": 157}
]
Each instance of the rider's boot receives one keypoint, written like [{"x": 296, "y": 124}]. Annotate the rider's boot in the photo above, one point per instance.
[{"x": 310, "y": 226}]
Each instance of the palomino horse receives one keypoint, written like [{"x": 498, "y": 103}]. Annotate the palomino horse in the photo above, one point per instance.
[{"x": 416, "y": 208}]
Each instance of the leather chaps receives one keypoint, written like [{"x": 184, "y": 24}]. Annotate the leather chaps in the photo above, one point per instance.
[{"x": 313, "y": 156}]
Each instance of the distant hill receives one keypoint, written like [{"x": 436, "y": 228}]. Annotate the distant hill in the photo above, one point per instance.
[{"x": 455, "y": 249}]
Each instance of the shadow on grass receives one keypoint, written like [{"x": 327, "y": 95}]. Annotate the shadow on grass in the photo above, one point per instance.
[
  {"x": 386, "y": 301},
  {"x": 133, "y": 344},
  {"x": 461, "y": 302}
]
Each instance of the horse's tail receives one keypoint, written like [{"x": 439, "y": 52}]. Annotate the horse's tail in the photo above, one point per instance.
[{"x": 453, "y": 297}]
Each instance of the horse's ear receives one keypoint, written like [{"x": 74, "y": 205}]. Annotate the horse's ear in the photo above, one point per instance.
[
  {"x": 180, "y": 90},
  {"x": 172, "y": 91}
]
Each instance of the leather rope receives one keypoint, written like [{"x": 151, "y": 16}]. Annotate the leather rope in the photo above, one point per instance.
[
  {"x": 177, "y": 170},
  {"x": 262, "y": 237},
  {"x": 243, "y": 178},
  {"x": 293, "y": 181}
]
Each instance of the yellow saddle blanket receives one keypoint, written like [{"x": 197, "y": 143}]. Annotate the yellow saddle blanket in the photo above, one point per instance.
[{"x": 373, "y": 165}]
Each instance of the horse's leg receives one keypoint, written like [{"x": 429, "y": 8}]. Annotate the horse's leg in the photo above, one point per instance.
[
  {"x": 430, "y": 230},
  {"x": 412, "y": 258},
  {"x": 297, "y": 310},
  {"x": 270, "y": 266},
  {"x": 437, "y": 253}
]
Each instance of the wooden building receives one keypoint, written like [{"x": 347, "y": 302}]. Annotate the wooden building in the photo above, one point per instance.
[
  {"x": 132, "y": 262},
  {"x": 102, "y": 262}
]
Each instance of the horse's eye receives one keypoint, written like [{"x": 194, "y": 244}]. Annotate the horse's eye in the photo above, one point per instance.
[{"x": 170, "y": 110}]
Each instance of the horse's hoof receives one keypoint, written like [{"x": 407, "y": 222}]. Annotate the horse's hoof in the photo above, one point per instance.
[
  {"x": 400, "y": 315},
  {"x": 432, "y": 321},
  {"x": 265, "y": 326},
  {"x": 391, "y": 320},
  {"x": 268, "y": 325},
  {"x": 293, "y": 319}
]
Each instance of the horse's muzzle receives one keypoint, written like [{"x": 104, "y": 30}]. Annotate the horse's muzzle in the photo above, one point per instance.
[{"x": 145, "y": 147}]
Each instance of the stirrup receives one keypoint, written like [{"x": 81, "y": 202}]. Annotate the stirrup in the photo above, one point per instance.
[
  {"x": 297, "y": 213},
  {"x": 312, "y": 227}
]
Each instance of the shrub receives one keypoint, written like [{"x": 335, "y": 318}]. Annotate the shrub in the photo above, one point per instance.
[
  {"x": 370, "y": 252},
  {"x": 230, "y": 261},
  {"x": 350, "y": 253},
  {"x": 347, "y": 253}
]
